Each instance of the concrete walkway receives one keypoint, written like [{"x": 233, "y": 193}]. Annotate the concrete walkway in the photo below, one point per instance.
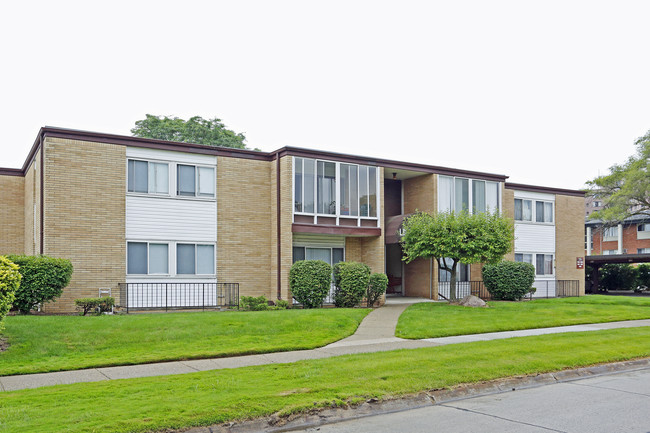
[{"x": 376, "y": 333}]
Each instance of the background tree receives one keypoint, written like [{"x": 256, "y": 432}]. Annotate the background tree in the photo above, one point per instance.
[
  {"x": 211, "y": 132},
  {"x": 453, "y": 238},
  {"x": 625, "y": 191}
]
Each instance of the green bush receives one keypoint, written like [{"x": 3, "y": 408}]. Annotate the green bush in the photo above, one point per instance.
[
  {"x": 509, "y": 281},
  {"x": 351, "y": 280},
  {"x": 310, "y": 282},
  {"x": 376, "y": 288},
  {"x": 251, "y": 303},
  {"x": 643, "y": 275},
  {"x": 43, "y": 279},
  {"x": 9, "y": 283},
  {"x": 282, "y": 304},
  {"x": 97, "y": 305},
  {"x": 618, "y": 277}
]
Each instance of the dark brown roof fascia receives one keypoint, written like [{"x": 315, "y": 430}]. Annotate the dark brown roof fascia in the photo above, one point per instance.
[
  {"x": 11, "y": 172},
  {"x": 387, "y": 163},
  {"x": 545, "y": 189},
  {"x": 149, "y": 143}
]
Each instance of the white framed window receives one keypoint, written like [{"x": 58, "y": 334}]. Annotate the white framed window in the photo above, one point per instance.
[
  {"x": 524, "y": 257},
  {"x": 335, "y": 189},
  {"x": 147, "y": 258},
  {"x": 544, "y": 264},
  {"x": 643, "y": 227},
  {"x": 537, "y": 211},
  {"x": 195, "y": 181},
  {"x": 610, "y": 233},
  {"x": 523, "y": 210},
  {"x": 460, "y": 194},
  {"x": 462, "y": 272},
  {"x": 331, "y": 256},
  {"x": 543, "y": 211},
  {"x": 147, "y": 177},
  {"x": 195, "y": 259},
  {"x": 643, "y": 251},
  {"x": 610, "y": 252}
]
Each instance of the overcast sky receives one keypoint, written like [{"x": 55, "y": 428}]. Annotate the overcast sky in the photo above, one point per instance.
[{"x": 547, "y": 92}]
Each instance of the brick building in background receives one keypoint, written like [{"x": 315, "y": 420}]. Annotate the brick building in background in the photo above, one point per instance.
[
  {"x": 157, "y": 214},
  {"x": 632, "y": 236}
]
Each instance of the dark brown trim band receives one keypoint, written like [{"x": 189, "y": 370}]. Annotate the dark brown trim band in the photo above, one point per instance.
[
  {"x": 545, "y": 189},
  {"x": 335, "y": 230},
  {"x": 11, "y": 172}
]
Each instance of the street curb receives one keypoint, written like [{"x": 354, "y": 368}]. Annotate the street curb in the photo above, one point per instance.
[{"x": 322, "y": 416}]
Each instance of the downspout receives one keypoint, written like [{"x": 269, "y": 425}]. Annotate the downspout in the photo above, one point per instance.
[
  {"x": 42, "y": 206},
  {"x": 279, "y": 237}
]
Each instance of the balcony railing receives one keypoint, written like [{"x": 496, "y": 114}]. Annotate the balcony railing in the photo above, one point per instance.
[{"x": 178, "y": 296}]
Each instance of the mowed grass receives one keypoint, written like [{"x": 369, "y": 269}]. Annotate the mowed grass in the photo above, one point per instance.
[
  {"x": 174, "y": 402},
  {"x": 53, "y": 343},
  {"x": 429, "y": 320}
]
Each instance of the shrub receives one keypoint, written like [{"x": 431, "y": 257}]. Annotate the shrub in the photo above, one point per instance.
[
  {"x": 310, "y": 282},
  {"x": 43, "y": 279},
  {"x": 618, "y": 277},
  {"x": 98, "y": 305},
  {"x": 351, "y": 280},
  {"x": 251, "y": 303},
  {"x": 376, "y": 288},
  {"x": 509, "y": 281},
  {"x": 643, "y": 275},
  {"x": 282, "y": 304},
  {"x": 9, "y": 283}
]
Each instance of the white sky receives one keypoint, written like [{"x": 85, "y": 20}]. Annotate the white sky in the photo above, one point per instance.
[{"x": 547, "y": 92}]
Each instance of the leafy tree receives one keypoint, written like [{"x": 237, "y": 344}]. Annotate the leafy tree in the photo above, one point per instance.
[
  {"x": 625, "y": 191},
  {"x": 453, "y": 238},
  {"x": 211, "y": 132}
]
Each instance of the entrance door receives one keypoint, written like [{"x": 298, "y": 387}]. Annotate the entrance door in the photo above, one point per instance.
[{"x": 394, "y": 269}]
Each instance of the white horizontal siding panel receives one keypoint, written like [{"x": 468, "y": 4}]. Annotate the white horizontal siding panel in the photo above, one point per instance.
[
  {"x": 166, "y": 155},
  {"x": 534, "y": 195},
  {"x": 170, "y": 219},
  {"x": 534, "y": 238}
]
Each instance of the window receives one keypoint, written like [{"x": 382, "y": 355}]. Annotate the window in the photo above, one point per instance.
[
  {"x": 147, "y": 258},
  {"x": 543, "y": 212},
  {"x": 596, "y": 204},
  {"x": 148, "y": 177},
  {"x": 462, "y": 272},
  {"x": 544, "y": 264},
  {"x": 523, "y": 210},
  {"x": 610, "y": 233},
  {"x": 316, "y": 182},
  {"x": 330, "y": 256},
  {"x": 610, "y": 252},
  {"x": 643, "y": 227},
  {"x": 194, "y": 259},
  {"x": 459, "y": 194},
  {"x": 195, "y": 181},
  {"x": 526, "y": 258},
  {"x": 643, "y": 251}
]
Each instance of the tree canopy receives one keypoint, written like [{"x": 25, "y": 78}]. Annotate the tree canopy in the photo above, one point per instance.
[
  {"x": 625, "y": 190},
  {"x": 211, "y": 132},
  {"x": 453, "y": 238}
]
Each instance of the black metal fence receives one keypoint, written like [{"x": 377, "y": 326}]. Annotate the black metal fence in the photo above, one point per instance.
[
  {"x": 544, "y": 289},
  {"x": 178, "y": 296}
]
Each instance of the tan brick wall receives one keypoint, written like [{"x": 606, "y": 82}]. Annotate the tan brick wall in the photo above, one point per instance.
[
  {"x": 373, "y": 248},
  {"x": 84, "y": 212},
  {"x": 508, "y": 203},
  {"x": 416, "y": 279},
  {"x": 286, "y": 219},
  {"x": 420, "y": 194},
  {"x": 245, "y": 233},
  {"x": 569, "y": 238},
  {"x": 32, "y": 211},
  {"x": 353, "y": 250},
  {"x": 12, "y": 214}
]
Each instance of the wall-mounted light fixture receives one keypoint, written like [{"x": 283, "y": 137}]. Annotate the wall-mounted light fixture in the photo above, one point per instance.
[{"x": 394, "y": 176}]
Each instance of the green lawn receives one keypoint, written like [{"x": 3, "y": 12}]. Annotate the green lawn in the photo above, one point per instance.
[
  {"x": 428, "y": 320},
  {"x": 169, "y": 402},
  {"x": 52, "y": 343}
]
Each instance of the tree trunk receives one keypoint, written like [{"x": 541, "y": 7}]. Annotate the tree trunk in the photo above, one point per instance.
[{"x": 452, "y": 282}]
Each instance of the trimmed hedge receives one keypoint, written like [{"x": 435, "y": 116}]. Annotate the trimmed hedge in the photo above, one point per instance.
[
  {"x": 509, "y": 281},
  {"x": 9, "y": 283},
  {"x": 351, "y": 280},
  {"x": 43, "y": 280},
  {"x": 97, "y": 305},
  {"x": 377, "y": 287},
  {"x": 251, "y": 303},
  {"x": 310, "y": 282}
]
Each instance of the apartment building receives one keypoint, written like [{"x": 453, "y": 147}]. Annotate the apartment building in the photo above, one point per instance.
[
  {"x": 632, "y": 236},
  {"x": 155, "y": 214}
]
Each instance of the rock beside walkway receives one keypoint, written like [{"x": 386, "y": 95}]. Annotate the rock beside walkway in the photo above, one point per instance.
[{"x": 472, "y": 301}]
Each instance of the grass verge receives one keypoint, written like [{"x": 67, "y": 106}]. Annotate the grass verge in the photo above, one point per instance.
[
  {"x": 159, "y": 403},
  {"x": 52, "y": 343},
  {"x": 429, "y": 320}
]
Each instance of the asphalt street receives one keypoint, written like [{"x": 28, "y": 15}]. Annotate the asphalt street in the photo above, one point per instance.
[{"x": 610, "y": 403}]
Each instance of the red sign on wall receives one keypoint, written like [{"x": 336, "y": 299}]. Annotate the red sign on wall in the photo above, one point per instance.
[{"x": 580, "y": 263}]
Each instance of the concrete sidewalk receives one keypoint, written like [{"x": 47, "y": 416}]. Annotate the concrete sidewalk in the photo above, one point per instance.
[{"x": 376, "y": 333}]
